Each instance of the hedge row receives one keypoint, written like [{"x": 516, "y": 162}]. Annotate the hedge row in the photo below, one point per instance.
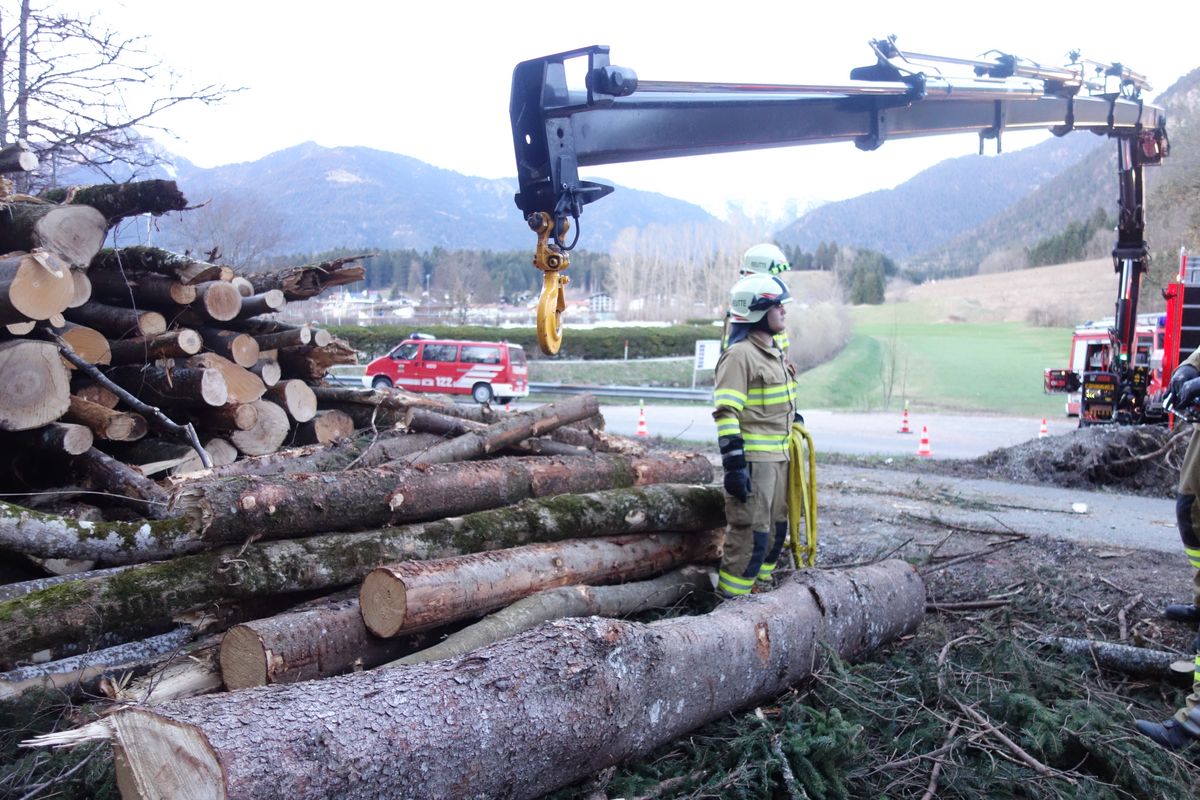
[{"x": 677, "y": 340}]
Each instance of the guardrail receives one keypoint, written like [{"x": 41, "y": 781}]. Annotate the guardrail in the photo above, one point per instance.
[{"x": 635, "y": 392}]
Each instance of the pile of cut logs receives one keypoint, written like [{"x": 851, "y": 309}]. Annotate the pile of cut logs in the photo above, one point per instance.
[{"x": 201, "y": 607}]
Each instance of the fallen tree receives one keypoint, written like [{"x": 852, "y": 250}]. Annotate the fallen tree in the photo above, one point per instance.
[
  {"x": 209, "y": 513},
  {"x": 141, "y": 600},
  {"x": 589, "y": 693}
]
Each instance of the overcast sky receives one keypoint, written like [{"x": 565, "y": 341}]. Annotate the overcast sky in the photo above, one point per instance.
[{"x": 431, "y": 79}]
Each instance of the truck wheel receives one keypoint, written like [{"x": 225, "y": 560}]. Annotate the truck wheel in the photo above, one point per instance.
[
  {"x": 482, "y": 393},
  {"x": 381, "y": 382}
]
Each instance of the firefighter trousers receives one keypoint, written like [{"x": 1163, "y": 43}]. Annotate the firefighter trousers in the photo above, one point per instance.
[
  {"x": 1187, "y": 518},
  {"x": 757, "y": 529}
]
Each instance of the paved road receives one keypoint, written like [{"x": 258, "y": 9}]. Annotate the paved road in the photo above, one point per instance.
[{"x": 950, "y": 435}]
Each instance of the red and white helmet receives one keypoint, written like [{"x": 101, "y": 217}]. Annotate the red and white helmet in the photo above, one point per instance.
[{"x": 752, "y": 296}]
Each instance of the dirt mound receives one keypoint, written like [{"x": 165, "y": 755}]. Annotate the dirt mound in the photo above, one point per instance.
[{"x": 1141, "y": 460}]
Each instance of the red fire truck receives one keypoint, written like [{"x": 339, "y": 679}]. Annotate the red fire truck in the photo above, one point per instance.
[{"x": 1092, "y": 349}]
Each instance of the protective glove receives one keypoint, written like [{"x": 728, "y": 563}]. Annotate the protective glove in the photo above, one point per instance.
[
  {"x": 1180, "y": 376},
  {"x": 737, "y": 483},
  {"x": 1189, "y": 394},
  {"x": 797, "y": 419}
]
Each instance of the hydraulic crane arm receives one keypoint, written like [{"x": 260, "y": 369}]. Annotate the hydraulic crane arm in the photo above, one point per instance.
[{"x": 615, "y": 117}]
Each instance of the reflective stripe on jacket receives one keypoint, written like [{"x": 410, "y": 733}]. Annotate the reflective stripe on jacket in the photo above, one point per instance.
[{"x": 755, "y": 398}]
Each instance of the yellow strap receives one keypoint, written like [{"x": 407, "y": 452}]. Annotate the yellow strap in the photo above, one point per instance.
[{"x": 802, "y": 496}]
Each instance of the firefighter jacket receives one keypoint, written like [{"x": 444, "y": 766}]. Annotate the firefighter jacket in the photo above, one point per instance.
[
  {"x": 1189, "y": 473},
  {"x": 755, "y": 397}
]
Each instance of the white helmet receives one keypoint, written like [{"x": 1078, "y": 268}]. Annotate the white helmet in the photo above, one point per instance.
[
  {"x": 764, "y": 259},
  {"x": 752, "y": 296}
]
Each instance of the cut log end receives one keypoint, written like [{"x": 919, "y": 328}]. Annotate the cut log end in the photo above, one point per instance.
[
  {"x": 74, "y": 232},
  {"x": 384, "y": 602},
  {"x": 144, "y": 742},
  {"x": 36, "y": 386},
  {"x": 34, "y": 287},
  {"x": 243, "y": 659}
]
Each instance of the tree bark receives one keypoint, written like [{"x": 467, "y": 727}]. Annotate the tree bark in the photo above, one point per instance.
[
  {"x": 184, "y": 387},
  {"x": 297, "y": 399},
  {"x": 179, "y": 343},
  {"x": 135, "y": 601},
  {"x": 267, "y": 435},
  {"x": 366, "y": 451},
  {"x": 301, "y": 283},
  {"x": 116, "y": 201},
  {"x": 116, "y": 322},
  {"x": 216, "y": 301},
  {"x": 508, "y": 432},
  {"x": 418, "y": 595},
  {"x": 17, "y": 157},
  {"x": 105, "y": 423},
  {"x": 33, "y": 286},
  {"x": 73, "y": 233},
  {"x": 267, "y": 369},
  {"x": 309, "y": 362},
  {"x": 83, "y": 386},
  {"x": 304, "y": 645},
  {"x": 325, "y": 428},
  {"x": 1139, "y": 661},
  {"x": 220, "y": 452},
  {"x": 566, "y": 601},
  {"x": 154, "y": 259},
  {"x": 585, "y": 694},
  {"x": 138, "y": 289},
  {"x": 36, "y": 389},
  {"x": 229, "y": 417},
  {"x": 287, "y": 338}
]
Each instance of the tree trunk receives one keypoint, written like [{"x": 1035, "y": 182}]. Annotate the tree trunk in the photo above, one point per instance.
[
  {"x": 1138, "y": 661},
  {"x": 566, "y": 601},
  {"x": 33, "y": 286},
  {"x": 288, "y": 338},
  {"x": 229, "y": 417},
  {"x": 103, "y": 473},
  {"x": 427, "y": 420},
  {"x": 240, "y": 348},
  {"x": 116, "y": 322},
  {"x": 139, "y": 289},
  {"x": 325, "y": 428},
  {"x": 55, "y": 439},
  {"x": 309, "y": 362},
  {"x": 220, "y": 452},
  {"x": 116, "y": 201},
  {"x": 105, "y": 423},
  {"x": 36, "y": 389},
  {"x": 297, "y": 399},
  {"x": 88, "y": 343},
  {"x": 139, "y": 599},
  {"x": 73, "y": 233},
  {"x": 242, "y": 385},
  {"x": 269, "y": 433},
  {"x": 301, "y": 283},
  {"x": 153, "y": 259},
  {"x": 216, "y": 301},
  {"x": 191, "y": 672},
  {"x": 508, "y": 432},
  {"x": 84, "y": 387},
  {"x": 304, "y": 645},
  {"x": 83, "y": 288},
  {"x": 368, "y": 451},
  {"x": 418, "y": 595},
  {"x": 17, "y": 157},
  {"x": 268, "y": 302},
  {"x": 179, "y": 343},
  {"x": 268, "y": 370},
  {"x": 184, "y": 387},
  {"x": 585, "y": 694}
]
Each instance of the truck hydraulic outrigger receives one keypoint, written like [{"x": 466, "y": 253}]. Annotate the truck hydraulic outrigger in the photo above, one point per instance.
[{"x": 616, "y": 117}]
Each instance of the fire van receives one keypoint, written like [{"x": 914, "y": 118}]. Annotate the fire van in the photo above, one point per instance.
[
  {"x": 485, "y": 370},
  {"x": 1091, "y": 351}
]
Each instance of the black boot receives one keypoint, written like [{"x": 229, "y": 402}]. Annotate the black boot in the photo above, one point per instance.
[
  {"x": 1170, "y": 734},
  {"x": 1188, "y": 613}
]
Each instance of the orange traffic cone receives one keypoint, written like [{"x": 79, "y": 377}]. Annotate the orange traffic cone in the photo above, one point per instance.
[
  {"x": 904, "y": 422},
  {"x": 1042, "y": 432},
  {"x": 923, "y": 449},
  {"x": 641, "y": 428}
]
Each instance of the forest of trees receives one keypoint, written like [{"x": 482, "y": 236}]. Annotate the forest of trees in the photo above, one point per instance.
[
  {"x": 861, "y": 273},
  {"x": 1072, "y": 243}
]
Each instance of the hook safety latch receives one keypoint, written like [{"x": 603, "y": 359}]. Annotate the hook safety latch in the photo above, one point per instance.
[{"x": 551, "y": 260}]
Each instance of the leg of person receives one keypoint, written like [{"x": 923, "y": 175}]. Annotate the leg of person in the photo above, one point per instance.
[
  {"x": 1183, "y": 730},
  {"x": 1187, "y": 511},
  {"x": 746, "y": 538},
  {"x": 779, "y": 524}
]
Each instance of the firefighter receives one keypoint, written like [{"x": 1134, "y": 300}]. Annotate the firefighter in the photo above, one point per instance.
[
  {"x": 761, "y": 259},
  {"x": 755, "y": 398},
  {"x": 1183, "y": 730}
]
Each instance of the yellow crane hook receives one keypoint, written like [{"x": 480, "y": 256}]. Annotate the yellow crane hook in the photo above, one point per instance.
[{"x": 551, "y": 260}]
